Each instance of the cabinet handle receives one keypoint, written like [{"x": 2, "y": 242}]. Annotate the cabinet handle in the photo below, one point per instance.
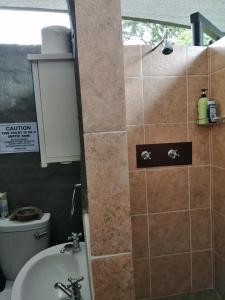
[{"x": 38, "y": 235}]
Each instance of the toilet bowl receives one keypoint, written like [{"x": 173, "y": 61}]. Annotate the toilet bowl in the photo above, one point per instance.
[{"x": 19, "y": 241}]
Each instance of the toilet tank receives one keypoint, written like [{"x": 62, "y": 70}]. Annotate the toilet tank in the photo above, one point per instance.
[{"x": 19, "y": 241}]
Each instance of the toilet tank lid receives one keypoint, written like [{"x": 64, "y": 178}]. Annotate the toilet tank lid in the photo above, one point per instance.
[{"x": 13, "y": 226}]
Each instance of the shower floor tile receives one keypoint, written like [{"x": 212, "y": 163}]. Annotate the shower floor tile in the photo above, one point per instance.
[{"x": 205, "y": 295}]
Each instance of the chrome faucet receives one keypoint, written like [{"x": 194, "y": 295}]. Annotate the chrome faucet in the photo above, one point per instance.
[
  {"x": 72, "y": 290},
  {"x": 75, "y": 245}
]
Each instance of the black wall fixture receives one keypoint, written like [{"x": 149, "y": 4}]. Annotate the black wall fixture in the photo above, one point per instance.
[
  {"x": 199, "y": 25},
  {"x": 168, "y": 154}
]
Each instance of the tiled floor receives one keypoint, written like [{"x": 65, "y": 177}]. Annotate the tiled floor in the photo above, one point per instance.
[{"x": 206, "y": 295}]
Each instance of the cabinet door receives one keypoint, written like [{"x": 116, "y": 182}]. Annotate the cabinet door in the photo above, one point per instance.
[{"x": 59, "y": 109}]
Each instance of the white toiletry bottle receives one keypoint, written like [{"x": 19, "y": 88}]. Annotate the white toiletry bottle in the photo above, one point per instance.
[
  {"x": 4, "y": 211},
  {"x": 211, "y": 111}
]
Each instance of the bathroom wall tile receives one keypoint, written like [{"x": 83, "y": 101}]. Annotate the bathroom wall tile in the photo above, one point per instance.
[
  {"x": 165, "y": 100},
  {"x": 217, "y": 58},
  {"x": 217, "y": 91},
  {"x": 101, "y": 78},
  {"x": 220, "y": 276},
  {"x": 219, "y": 190},
  {"x": 135, "y": 135},
  {"x": 112, "y": 278},
  {"x": 170, "y": 275},
  {"x": 202, "y": 270},
  {"x": 108, "y": 192},
  {"x": 201, "y": 229},
  {"x": 156, "y": 63},
  {"x": 138, "y": 200},
  {"x": 168, "y": 189},
  {"x": 200, "y": 187},
  {"x": 169, "y": 233},
  {"x": 132, "y": 61},
  {"x": 197, "y": 60},
  {"x": 199, "y": 136},
  {"x": 218, "y": 234},
  {"x": 218, "y": 142},
  {"x": 195, "y": 84},
  {"x": 140, "y": 236},
  {"x": 142, "y": 278},
  {"x": 165, "y": 133},
  {"x": 134, "y": 101}
]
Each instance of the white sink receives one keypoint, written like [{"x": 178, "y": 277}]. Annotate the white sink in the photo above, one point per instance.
[{"x": 37, "y": 278}]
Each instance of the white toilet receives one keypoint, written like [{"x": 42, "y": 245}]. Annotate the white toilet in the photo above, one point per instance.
[{"x": 19, "y": 241}]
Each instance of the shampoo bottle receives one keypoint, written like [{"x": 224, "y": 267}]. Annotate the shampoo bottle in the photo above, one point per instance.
[
  {"x": 202, "y": 108},
  {"x": 212, "y": 111}
]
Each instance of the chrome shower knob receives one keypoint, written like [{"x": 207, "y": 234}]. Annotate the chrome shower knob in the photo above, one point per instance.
[
  {"x": 173, "y": 153},
  {"x": 146, "y": 155}
]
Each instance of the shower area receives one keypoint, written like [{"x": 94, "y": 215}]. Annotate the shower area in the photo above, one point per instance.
[{"x": 177, "y": 212}]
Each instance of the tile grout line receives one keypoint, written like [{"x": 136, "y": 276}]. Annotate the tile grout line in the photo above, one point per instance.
[
  {"x": 174, "y": 254},
  {"x": 146, "y": 187},
  {"x": 109, "y": 255},
  {"x": 189, "y": 185},
  {"x": 172, "y": 211},
  {"x": 211, "y": 176}
]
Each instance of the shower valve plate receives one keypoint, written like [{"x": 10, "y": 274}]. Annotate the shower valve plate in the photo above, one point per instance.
[{"x": 160, "y": 154}]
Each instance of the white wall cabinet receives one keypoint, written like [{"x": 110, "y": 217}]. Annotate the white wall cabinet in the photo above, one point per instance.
[{"x": 56, "y": 105}]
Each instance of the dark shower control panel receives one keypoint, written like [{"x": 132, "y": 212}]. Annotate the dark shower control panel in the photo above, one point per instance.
[{"x": 169, "y": 154}]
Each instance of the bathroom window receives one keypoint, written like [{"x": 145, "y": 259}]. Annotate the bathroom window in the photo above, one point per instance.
[
  {"x": 26, "y": 26},
  {"x": 146, "y": 33}
]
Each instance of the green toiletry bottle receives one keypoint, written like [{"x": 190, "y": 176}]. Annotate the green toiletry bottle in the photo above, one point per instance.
[{"x": 202, "y": 108}]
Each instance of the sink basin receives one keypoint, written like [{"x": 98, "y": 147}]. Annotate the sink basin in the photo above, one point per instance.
[{"x": 37, "y": 278}]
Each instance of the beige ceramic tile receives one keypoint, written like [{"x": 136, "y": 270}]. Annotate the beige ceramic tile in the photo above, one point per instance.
[
  {"x": 170, "y": 275},
  {"x": 219, "y": 190},
  {"x": 140, "y": 236},
  {"x": 134, "y": 101},
  {"x": 195, "y": 84},
  {"x": 165, "y": 133},
  {"x": 113, "y": 278},
  {"x": 218, "y": 142},
  {"x": 169, "y": 233},
  {"x": 217, "y": 91},
  {"x": 165, "y": 99},
  {"x": 201, "y": 229},
  {"x": 202, "y": 277},
  {"x": 101, "y": 65},
  {"x": 168, "y": 189},
  {"x": 197, "y": 60},
  {"x": 199, "y": 136},
  {"x": 200, "y": 187},
  {"x": 138, "y": 193},
  {"x": 135, "y": 135},
  {"x": 156, "y": 63},
  {"x": 108, "y": 192},
  {"x": 219, "y": 276},
  {"x": 142, "y": 278},
  {"x": 132, "y": 61},
  {"x": 217, "y": 58},
  {"x": 218, "y": 234}
]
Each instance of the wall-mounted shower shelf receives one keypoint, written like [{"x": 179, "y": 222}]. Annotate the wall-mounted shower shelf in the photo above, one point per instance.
[{"x": 218, "y": 120}]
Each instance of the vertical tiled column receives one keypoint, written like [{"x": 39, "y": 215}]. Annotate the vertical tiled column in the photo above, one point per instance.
[
  {"x": 170, "y": 206},
  {"x": 99, "y": 47},
  {"x": 217, "y": 78}
]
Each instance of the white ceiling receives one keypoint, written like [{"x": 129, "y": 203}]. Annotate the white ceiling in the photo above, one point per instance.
[{"x": 170, "y": 11}]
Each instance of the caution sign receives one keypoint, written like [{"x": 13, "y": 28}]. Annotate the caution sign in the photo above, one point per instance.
[{"x": 18, "y": 137}]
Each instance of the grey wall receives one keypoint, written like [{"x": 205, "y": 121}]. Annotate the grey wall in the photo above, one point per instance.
[{"x": 20, "y": 174}]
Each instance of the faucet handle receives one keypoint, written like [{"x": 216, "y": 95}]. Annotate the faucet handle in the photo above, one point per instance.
[
  {"x": 75, "y": 281},
  {"x": 74, "y": 236}
]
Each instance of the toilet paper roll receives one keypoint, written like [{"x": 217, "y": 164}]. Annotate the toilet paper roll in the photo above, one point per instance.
[{"x": 55, "y": 39}]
